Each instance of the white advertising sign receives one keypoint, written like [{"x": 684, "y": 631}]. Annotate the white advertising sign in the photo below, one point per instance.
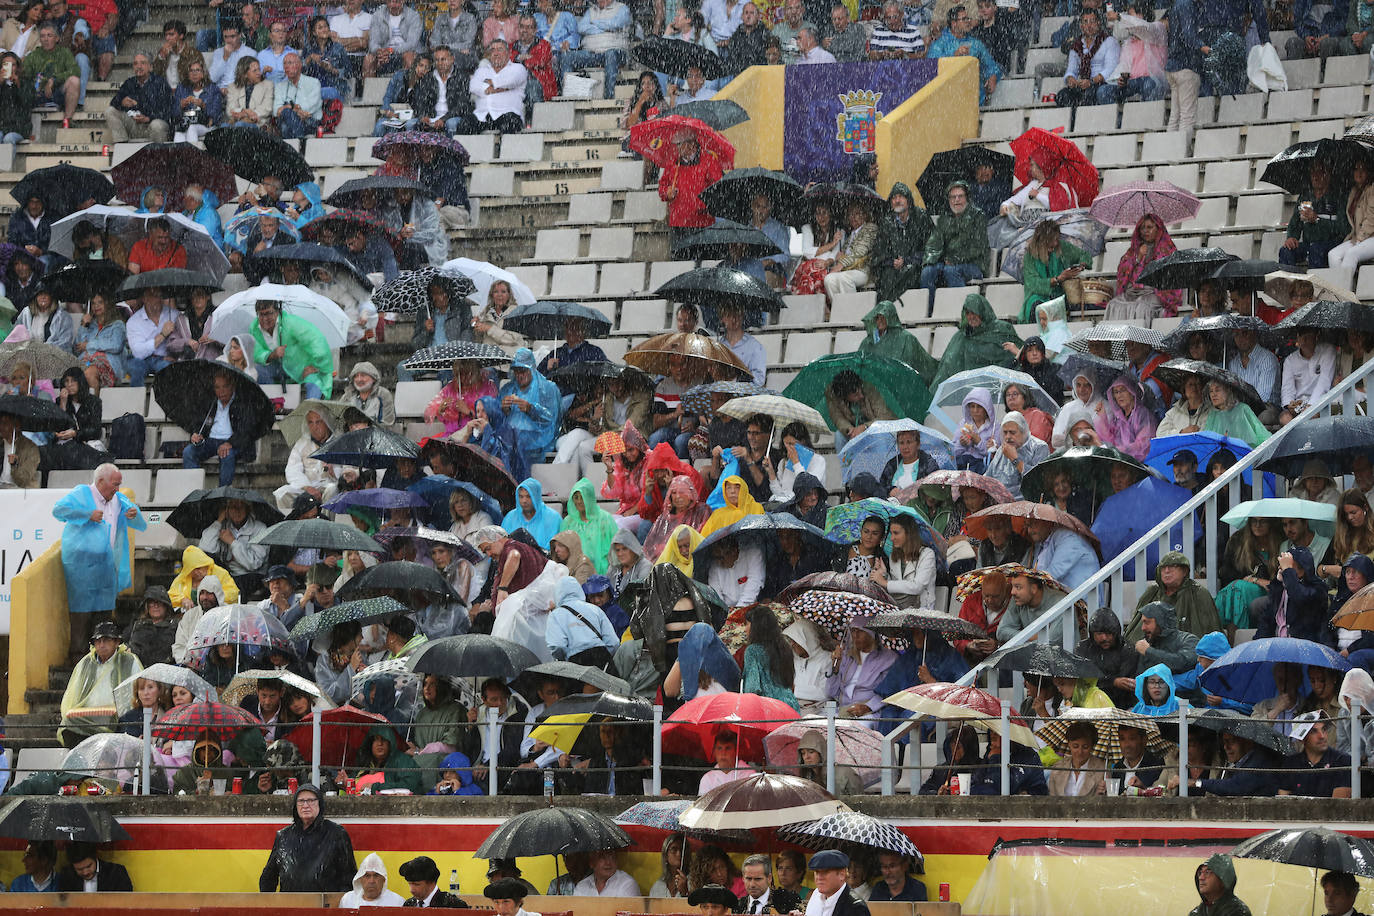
[{"x": 27, "y": 528}]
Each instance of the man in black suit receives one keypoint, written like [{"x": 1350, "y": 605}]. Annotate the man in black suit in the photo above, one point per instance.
[
  {"x": 423, "y": 877},
  {"x": 1137, "y": 766},
  {"x": 1339, "y": 890},
  {"x": 760, "y": 896},
  {"x": 832, "y": 896},
  {"x": 226, "y": 431},
  {"x": 85, "y": 872}
]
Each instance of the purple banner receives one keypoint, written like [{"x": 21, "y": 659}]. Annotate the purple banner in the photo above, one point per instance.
[{"x": 831, "y": 112}]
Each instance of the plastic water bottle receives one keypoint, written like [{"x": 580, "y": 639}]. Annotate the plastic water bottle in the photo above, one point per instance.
[
  {"x": 548, "y": 782},
  {"x": 453, "y": 881}
]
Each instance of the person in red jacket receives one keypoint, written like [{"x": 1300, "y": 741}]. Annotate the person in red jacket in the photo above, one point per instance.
[
  {"x": 682, "y": 184},
  {"x": 660, "y": 468},
  {"x": 536, "y": 55},
  {"x": 984, "y": 607}
]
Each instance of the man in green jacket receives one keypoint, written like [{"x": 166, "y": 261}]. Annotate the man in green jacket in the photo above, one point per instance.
[
  {"x": 886, "y": 337},
  {"x": 1319, "y": 221},
  {"x": 957, "y": 252},
  {"x": 1216, "y": 885},
  {"x": 294, "y": 349},
  {"x": 52, "y": 70},
  {"x": 901, "y": 244}
]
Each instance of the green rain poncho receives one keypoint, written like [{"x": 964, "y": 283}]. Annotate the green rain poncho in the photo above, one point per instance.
[
  {"x": 594, "y": 525},
  {"x": 977, "y": 347},
  {"x": 1236, "y": 420},
  {"x": 896, "y": 342}
]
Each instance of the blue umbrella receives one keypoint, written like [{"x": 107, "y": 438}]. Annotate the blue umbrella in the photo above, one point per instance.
[
  {"x": 1127, "y": 516},
  {"x": 871, "y": 451},
  {"x": 1246, "y": 673},
  {"x": 545, "y": 320},
  {"x": 759, "y": 530},
  {"x": 951, "y": 391},
  {"x": 1203, "y": 445},
  {"x": 377, "y": 498},
  {"x": 435, "y": 491}
]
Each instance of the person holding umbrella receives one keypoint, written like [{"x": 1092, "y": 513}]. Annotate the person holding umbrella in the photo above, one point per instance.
[
  {"x": 1318, "y": 223},
  {"x": 693, "y": 171},
  {"x": 226, "y": 432}
]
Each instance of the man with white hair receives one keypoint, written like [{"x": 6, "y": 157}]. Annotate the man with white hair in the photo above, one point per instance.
[
  {"x": 95, "y": 548},
  {"x": 809, "y": 50},
  {"x": 297, "y": 103}
]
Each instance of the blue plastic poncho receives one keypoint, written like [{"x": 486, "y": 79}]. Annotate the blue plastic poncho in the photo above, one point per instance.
[
  {"x": 1143, "y": 706},
  {"x": 542, "y": 524},
  {"x": 96, "y": 570},
  {"x": 536, "y": 427},
  {"x": 498, "y": 439}
]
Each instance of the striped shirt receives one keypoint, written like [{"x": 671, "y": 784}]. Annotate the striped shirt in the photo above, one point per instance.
[{"x": 909, "y": 39}]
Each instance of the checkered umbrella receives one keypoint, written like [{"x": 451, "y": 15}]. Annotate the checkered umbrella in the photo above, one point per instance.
[
  {"x": 408, "y": 294},
  {"x": 364, "y": 610},
  {"x": 1108, "y": 722},
  {"x": 204, "y": 718},
  {"x": 1117, "y": 335},
  {"x": 441, "y": 358},
  {"x": 782, "y": 410},
  {"x": 852, "y": 831}
]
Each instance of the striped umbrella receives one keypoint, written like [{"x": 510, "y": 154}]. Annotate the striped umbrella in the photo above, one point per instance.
[
  {"x": 940, "y": 700},
  {"x": 762, "y": 800}
]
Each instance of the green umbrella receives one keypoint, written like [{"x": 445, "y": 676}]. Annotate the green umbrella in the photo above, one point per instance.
[
  {"x": 1088, "y": 465},
  {"x": 1322, "y": 515},
  {"x": 365, "y": 610},
  {"x": 898, "y": 384}
]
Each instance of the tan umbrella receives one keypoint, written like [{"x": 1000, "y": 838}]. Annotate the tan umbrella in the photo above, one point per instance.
[
  {"x": 761, "y": 800},
  {"x": 652, "y": 356},
  {"x": 1278, "y": 284}
]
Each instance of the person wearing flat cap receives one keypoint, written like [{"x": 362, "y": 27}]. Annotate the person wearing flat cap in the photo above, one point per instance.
[
  {"x": 505, "y": 869},
  {"x": 832, "y": 896},
  {"x": 423, "y": 877},
  {"x": 507, "y": 896},
  {"x": 713, "y": 900}
]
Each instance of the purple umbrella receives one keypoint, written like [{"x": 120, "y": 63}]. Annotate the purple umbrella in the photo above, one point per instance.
[{"x": 1124, "y": 204}]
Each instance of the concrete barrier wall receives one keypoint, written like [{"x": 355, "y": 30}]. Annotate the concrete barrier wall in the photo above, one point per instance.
[
  {"x": 39, "y": 625},
  {"x": 938, "y": 117}
]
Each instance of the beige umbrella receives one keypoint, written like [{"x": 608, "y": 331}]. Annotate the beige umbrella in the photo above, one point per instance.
[
  {"x": 761, "y": 800},
  {"x": 1278, "y": 284}
]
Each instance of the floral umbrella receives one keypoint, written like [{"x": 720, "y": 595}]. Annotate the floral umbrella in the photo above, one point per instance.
[
  {"x": 240, "y": 625},
  {"x": 833, "y": 612}
]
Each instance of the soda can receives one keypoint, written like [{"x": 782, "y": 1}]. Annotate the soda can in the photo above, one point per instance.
[
  {"x": 954, "y": 784},
  {"x": 238, "y": 786},
  {"x": 68, "y": 790},
  {"x": 292, "y": 784},
  {"x": 93, "y": 790},
  {"x": 944, "y": 893},
  {"x": 105, "y": 150},
  {"x": 319, "y": 131}
]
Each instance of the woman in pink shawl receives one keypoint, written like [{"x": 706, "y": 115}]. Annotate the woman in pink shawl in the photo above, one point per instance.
[
  {"x": 1124, "y": 422},
  {"x": 684, "y": 507},
  {"x": 1134, "y": 303},
  {"x": 453, "y": 405}
]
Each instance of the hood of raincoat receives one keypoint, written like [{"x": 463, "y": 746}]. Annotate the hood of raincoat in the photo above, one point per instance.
[
  {"x": 313, "y": 197},
  {"x": 143, "y": 200},
  {"x": 1173, "y": 558},
  {"x": 572, "y": 542},
  {"x": 1213, "y": 645},
  {"x": 671, "y": 554},
  {"x": 1104, "y": 620},
  {"x": 1302, "y": 558},
  {"x": 900, "y": 188},
  {"x": 702, "y": 650},
  {"x": 866, "y": 485},
  {"x": 1052, "y": 319},
  {"x": 662, "y": 456},
  {"x": 590, "y": 509},
  {"x": 813, "y": 739},
  {"x": 380, "y": 730},
  {"x": 212, "y": 585},
  {"x": 248, "y": 345},
  {"x": 1092, "y": 389},
  {"x": 1015, "y": 416},
  {"x": 886, "y": 308},
  {"x": 681, "y": 483},
  {"x": 295, "y": 815},
  {"x": 728, "y": 514},
  {"x": 536, "y": 492},
  {"x": 983, "y": 398},
  {"x": 367, "y": 368},
  {"x": 1170, "y": 704},
  {"x": 804, "y": 633},
  {"x": 1357, "y": 685},
  {"x": 1221, "y": 866},
  {"x": 1162, "y": 614},
  {"x": 568, "y": 594},
  {"x": 544, "y": 524},
  {"x": 1129, "y": 383},
  {"x": 1362, "y": 564},
  {"x": 496, "y": 417},
  {"x": 626, "y": 538},
  {"x": 802, "y": 484},
  {"x": 193, "y": 558},
  {"x": 372, "y": 863},
  {"x": 980, "y": 306}
]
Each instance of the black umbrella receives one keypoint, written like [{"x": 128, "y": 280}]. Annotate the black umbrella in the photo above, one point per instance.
[
  {"x": 605, "y": 705},
  {"x": 544, "y": 320},
  {"x": 409, "y": 292},
  {"x": 1324, "y": 315},
  {"x": 673, "y": 56},
  {"x": 949, "y": 166},
  {"x": 1176, "y": 371},
  {"x": 64, "y": 189},
  {"x": 1233, "y": 723},
  {"x": 582, "y": 674},
  {"x": 72, "y": 819},
  {"x": 202, "y": 508},
  {"x": 254, "y": 154},
  {"x": 1102, "y": 371},
  {"x": 1244, "y": 274},
  {"x": 838, "y": 196},
  {"x": 1219, "y": 330},
  {"x": 585, "y": 375},
  {"x": 730, "y": 198},
  {"x": 1363, "y": 130},
  {"x": 313, "y": 254},
  {"x": 552, "y": 832},
  {"x": 1311, "y": 847},
  {"x": 476, "y": 467},
  {"x": 1337, "y": 441},
  {"x": 79, "y": 282},
  {"x": 318, "y": 533},
  {"x": 171, "y": 167},
  {"x": 399, "y": 574},
  {"x": 350, "y": 192},
  {"x": 713, "y": 287},
  {"x": 1292, "y": 168},
  {"x": 175, "y": 282},
  {"x": 373, "y": 447},
  {"x": 471, "y": 655},
  {"x": 722, "y": 239},
  {"x": 35, "y": 415},
  {"x": 717, "y": 114},
  {"x": 185, "y": 391},
  {"x": 1185, "y": 268},
  {"x": 1045, "y": 659},
  {"x": 440, "y": 358},
  {"x": 896, "y": 623},
  {"x": 1088, "y": 466},
  {"x": 762, "y": 531}
]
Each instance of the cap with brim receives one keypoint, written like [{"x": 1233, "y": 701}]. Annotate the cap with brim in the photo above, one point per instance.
[
  {"x": 506, "y": 889},
  {"x": 828, "y": 858},
  {"x": 304, "y": 503},
  {"x": 1314, "y": 467},
  {"x": 281, "y": 572},
  {"x": 106, "y": 629},
  {"x": 1183, "y": 455},
  {"x": 420, "y": 868},
  {"x": 713, "y": 893}
]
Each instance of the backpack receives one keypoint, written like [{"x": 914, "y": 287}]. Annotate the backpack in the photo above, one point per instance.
[
  {"x": 127, "y": 435},
  {"x": 331, "y": 112}
]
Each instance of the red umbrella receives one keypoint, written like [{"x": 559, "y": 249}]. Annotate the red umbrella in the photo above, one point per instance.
[
  {"x": 691, "y": 731},
  {"x": 1023, "y": 511},
  {"x": 653, "y": 139},
  {"x": 340, "y": 220},
  {"x": 1059, "y": 158},
  {"x": 204, "y": 717},
  {"x": 342, "y": 732}
]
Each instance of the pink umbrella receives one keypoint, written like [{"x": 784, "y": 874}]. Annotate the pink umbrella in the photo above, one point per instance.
[
  {"x": 856, "y": 745},
  {"x": 1124, "y": 204}
]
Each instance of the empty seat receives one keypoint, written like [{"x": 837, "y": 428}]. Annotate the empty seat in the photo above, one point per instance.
[
  {"x": 622, "y": 175},
  {"x": 374, "y": 89},
  {"x": 1218, "y": 142},
  {"x": 413, "y": 397},
  {"x": 1344, "y": 71},
  {"x": 362, "y": 150},
  {"x": 848, "y": 341},
  {"x": 942, "y": 336},
  {"x": 805, "y": 311},
  {"x": 1244, "y": 109},
  {"x": 1303, "y": 74},
  {"x": 638, "y": 317},
  {"x": 1095, "y": 119},
  {"x": 1049, "y": 117},
  {"x": 115, "y": 402},
  {"x": 1231, "y": 175},
  {"x": 573, "y": 281},
  {"x": 65, "y": 480},
  {"x": 356, "y": 122},
  {"x": 1121, "y": 176},
  {"x": 1002, "y": 124},
  {"x": 556, "y": 479},
  {"x": 1242, "y": 246},
  {"x": 1315, "y": 129},
  {"x": 1183, "y": 174},
  {"x": 1339, "y": 101},
  {"x": 557, "y": 244},
  {"x": 660, "y": 272},
  {"x": 175, "y": 484},
  {"x": 140, "y": 480},
  {"x": 644, "y": 206},
  {"x": 625, "y": 279},
  {"x": 611, "y": 244},
  {"x": 326, "y": 151},
  {"x": 1142, "y": 115},
  {"x": 1164, "y": 146},
  {"x": 1259, "y": 209},
  {"x": 803, "y": 348},
  {"x": 850, "y": 308},
  {"x": 1005, "y": 298},
  {"x": 590, "y": 208},
  {"x": 1113, "y": 149},
  {"x": 522, "y": 147},
  {"x": 949, "y": 303},
  {"x": 492, "y": 181},
  {"x": 480, "y": 147},
  {"x": 553, "y": 117},
  {"x": 1013, "y": 93},
  {"x": 772, "y": 347},
  {"x": 535, "y": 276},
  {"x": 1211, "y": 214},
  {"x": 1267, "y": 139},
  {"x": 1292, "y": 105}
]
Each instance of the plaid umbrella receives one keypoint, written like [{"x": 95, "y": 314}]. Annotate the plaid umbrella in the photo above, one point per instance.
[
  {"x": 365, "y": 610},
  {"x": 995, "y": 489},
  {"x": 204, "y": 718},
  {"x": 408, "y": 294},
  {"x": 246, "y": 682},
  {"x": 783, "y": 411},
  {"x": 856, "y": 745},
  {"x": 854, "y": 832},
  {"x": 833, "y": 611},
  {"x": 837, "y": 582},
  {"x": 340, "y": 220},
  {"x": 609, "y": 443},
  {"x": 412, "y": 139},
  {"x": 1124, "y": 205},
  {"x": 961, "y": 703},
  {"x": 1108, "y": 721},
  {"x": 441, "y": 358},
  {"x": 1116, "y": 335}
]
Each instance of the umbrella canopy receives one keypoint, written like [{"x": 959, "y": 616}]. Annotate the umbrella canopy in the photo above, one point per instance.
[
  {"x": 204, "y": 718},
  {"x": 587, "y": 376},
  {"x": 856, "y": 745},
  {"x": 409, "y": 140},
  {"x": 942, "y": 700},
  {"x": 1245, "y": 273},
  {"x": 1230, "y": 722},
  {"x": 1220, "y": 332},
  {"x": 352, "y": 193},
  {"x": 828, "y": 581},
  {"x": 1089, "y": 466},
  {"x": 896, "y": 623},
  {"x": 202, "y": 254},
  {"x": 552, "y": 831},
  {"x": 546, "y": 320},
  {"x": 722, "y": 240},
  {"x": 698, "y": 397},
  {"x": 185, "y": 391},
  {"x": 1202, "y": 444},
  {"x": 1246, "y": 673},
  {"x": 462, "y": 550},
  {"x": 341, "y": 221},
  {"x": 295, "y": 424},
  {"x": 578, "y": 674},
  {"x": 1108, "y": 722},
  {"x": 239, "y": 227},
  {"x": 1045, "y": 659},
  {"x": 1102, "y": 371},
  {"x": 782, "y": 410},
  {"x": 760, "y": 531},
  {"x": 437, "y": 488},
  {"x": 1311, "y": 847},
  {"x": 1076, "y": 226},
  {"x": 171, "y": 167},
  {"x": 74, "y": 820},
  {"x": 174, "y": 282},
  {"x": 717, "y": 114},
  {"x": 952, "y": 391},
  {"x": 1292, "y": 168},
  {"x": 35, "y": 414},
  {"x": 237, "y": 314},
  {"x": 46, "y": 360},
  {"x": 1115, "y": 335},
  {"x": 1059, "y": 158},
  {"x": 1023, "y": 511},
  {"x": 472, "y": 655},
  {"x": 316, "y": 532},
  {"x": 691, "y": 730},
  {"x": 950, "y": 480},
  {"x": 246, "y": 682},
  {"x": 1125, "y": 205},
  {"x": 114, "y": 758},
  {"x": 1279, "y": 285},
  {"x": 563, "y": 725},
  {"x": 373, "y": 447},
  {"x": 64, "y": 189},
  {"x": 762, "y": 800},
  {"x": 202, "y": 508},
  {"x": 663, "y": 815},
  {"x": 653, "y": 355},
  {"x": 314, "y": 255},
  {"x": 1175, "y": 373},
  {"x": 655, "y": 140},
  {"x": 254, "y": 154},
  {"x": 474, "y": 467},
  {"x": 870, "y": 451},
  {"x": 730, "y": 198},
  {"x": 959, "y": 164},
  {"x": 365, "y": 610},
  {"x": 1186, "y": 267},
  {"x": 900, "y": 387},
  {"x": 246, "y": 626},
  {"x": 1324, "y": 315},
  {"x": 400, "y": 575},
  {"x": 844, "y": 523},
  {"x": 853, "y": 832},
  {"x": 715, "y": 287},
  {"x": 80, "y": 282},
  {"x": 483, "y": 275},
  {"x": 169, "y": 676},
  {"x": 1321, "y": 516},
  {"x": 442, "y": 357},
  {"x": 1337, "y": 441},
  {"x": 675, "y": 56},
  {"x": 833, "y": 611},
  {"x": 1356, "y": 614},
  {"x": 343, "y": 731}
]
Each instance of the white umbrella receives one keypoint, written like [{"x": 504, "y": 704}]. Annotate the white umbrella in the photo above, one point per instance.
[
  {"x": 201, "y": 251},
  {"x": 237, "y": 314},
  {"x": 483, "y": 275},
  {"x": 1278, "y": 284},
  {"x": 168, "y": 675}
]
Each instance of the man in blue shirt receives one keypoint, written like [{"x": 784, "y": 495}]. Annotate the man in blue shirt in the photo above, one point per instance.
[
  {"x": 955, "y": 42},
  {"x": 227, "y": 432},
  {"x": 770, "y": 269},
  {"x": 1259, "y": 367}
]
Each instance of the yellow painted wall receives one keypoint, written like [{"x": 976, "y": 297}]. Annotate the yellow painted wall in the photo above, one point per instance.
[
  {"x": 938, "y": 117},
  {"x": 39, "y": 628},
  {"x": 758, "y": 141}
]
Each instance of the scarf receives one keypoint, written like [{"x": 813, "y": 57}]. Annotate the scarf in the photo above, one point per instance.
[{"x": 1086, "y": 55}]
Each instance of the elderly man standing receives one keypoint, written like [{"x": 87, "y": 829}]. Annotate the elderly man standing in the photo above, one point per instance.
[
  {"x": 497, "y": 87},
  {"x": 95, "y": 547},
  {"x": 297, "y": 104},
  {"x": 142, "y": 107},
  {"x": 88, "y": 704},
  {"x": 393, "y": 40},
  {"x": 605, "y": 29},
  {"x": 226, "y": 432},
  {"x": 291, "y": 349}
]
